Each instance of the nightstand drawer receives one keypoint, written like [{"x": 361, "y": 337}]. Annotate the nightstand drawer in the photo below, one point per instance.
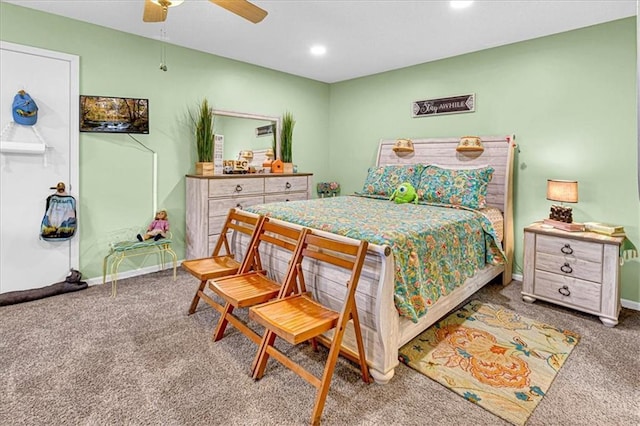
[
  {"x": 569, "y": 266},
  {"x": 581, "y": 294},
  {"x": 560, "y": 246}
]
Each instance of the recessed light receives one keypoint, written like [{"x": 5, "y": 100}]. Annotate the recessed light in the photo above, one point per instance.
[
  {"x": 461, "y": 4},
  {"x": 318, "y": 50}
]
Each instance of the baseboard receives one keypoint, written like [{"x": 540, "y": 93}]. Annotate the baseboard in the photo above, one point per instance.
[
  {"x": 629, "y": 304},
  {"x": 132, "y": 273}
]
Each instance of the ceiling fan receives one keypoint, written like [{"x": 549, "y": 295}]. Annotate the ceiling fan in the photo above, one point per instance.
[{"x": 156, "y": 10}]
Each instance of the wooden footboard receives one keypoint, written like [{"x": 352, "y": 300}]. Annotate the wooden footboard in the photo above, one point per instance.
[{"x": 383, "y": 330}]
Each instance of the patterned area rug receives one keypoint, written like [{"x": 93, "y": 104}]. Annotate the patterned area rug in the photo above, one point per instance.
[{"x": 492, "y": 357}]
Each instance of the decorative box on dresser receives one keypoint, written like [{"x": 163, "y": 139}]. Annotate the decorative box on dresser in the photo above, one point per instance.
[
  {"x": 579, "y": 270},
  {"x": 209, "y": 199}
]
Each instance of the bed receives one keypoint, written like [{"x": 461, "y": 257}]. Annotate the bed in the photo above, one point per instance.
[{"x": 392, "y": 307}]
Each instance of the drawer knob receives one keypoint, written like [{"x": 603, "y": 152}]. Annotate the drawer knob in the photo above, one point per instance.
[
  {"x": 564, "y": 290},
  {"x": 287, "y": 199},
  {"x": 566, "y": 268},
  {"x": 567, "y": 249},
  {"x": 239, "y": 206},
  {"x": 287, "y": 185},
  {"x": 238, "y": 188}
]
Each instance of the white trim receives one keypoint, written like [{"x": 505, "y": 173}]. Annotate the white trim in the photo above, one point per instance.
[
  {"x": 133, "y": 273},
  {"x": 630, "y": 304}
]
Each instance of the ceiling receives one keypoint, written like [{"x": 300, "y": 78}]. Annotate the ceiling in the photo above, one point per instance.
[{"x": 362, "y": 37}]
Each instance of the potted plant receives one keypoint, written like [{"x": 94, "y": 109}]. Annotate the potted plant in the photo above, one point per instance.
[
  {"x": 286, "y": 140},
  {"x": 203, "y": 131}
]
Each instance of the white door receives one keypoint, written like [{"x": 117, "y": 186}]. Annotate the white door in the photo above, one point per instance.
[{"x": 51, "y": 79}]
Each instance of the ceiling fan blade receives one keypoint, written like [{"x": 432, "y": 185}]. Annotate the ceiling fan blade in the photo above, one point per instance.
[
  {"x": 243, "y": 8},
  {"x": 153, "y": 12}
]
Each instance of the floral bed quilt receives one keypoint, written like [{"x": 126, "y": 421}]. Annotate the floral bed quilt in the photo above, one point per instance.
[{"x": 435, "y": 248}]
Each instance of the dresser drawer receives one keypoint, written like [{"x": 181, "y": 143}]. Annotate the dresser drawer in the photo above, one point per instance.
[
  {"x": 285, "y": 184},
  {"x": 285, "y": 197},
  {"x": 581, "y": 294},
  {"x": 218, "y": 209},
  {"x": 235, "y": 187},
  {"x": 569, "y": 266},
  {"x": 583, "y": 250}
]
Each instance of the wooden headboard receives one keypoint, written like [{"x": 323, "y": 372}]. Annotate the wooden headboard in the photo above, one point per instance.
[{"x": 498, "y": 153}]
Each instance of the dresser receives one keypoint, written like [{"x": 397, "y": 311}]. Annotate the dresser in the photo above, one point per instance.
[
  {"x": 209, "y": 199},
  {"x": 579, "y": 270}
]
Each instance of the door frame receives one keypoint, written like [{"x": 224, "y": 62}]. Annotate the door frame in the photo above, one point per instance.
[{"x": 74, "y": 129}]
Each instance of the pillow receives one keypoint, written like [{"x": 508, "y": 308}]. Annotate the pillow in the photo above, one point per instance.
[
  {"x": 384, "y": 180},
  {"x": 459, "y": 187}
]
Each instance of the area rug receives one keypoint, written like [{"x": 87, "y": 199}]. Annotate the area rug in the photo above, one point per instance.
[{"x": 493, "y": 357}]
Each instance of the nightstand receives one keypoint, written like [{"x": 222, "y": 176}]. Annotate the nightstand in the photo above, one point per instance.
[{"x": 579, "y": 270}]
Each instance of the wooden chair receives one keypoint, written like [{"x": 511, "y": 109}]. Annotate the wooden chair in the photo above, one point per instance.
[
  {"x": 298, "y": 317},
  {"x": 251, "y": 285},
  {"x": 220, "y": 264}
]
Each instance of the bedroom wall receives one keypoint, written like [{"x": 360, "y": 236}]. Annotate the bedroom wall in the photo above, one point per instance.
[
  {"x": 569, "y": 98},
  {"x": 115, "y": 171}
]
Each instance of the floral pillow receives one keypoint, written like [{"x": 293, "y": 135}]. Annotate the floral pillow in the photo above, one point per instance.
[
  {"x": 384, "y": 180},
  {"x": 459, "y": 187}
]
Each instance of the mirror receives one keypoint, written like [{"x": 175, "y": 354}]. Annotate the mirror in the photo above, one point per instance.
[{"x": 244, "y": 131}]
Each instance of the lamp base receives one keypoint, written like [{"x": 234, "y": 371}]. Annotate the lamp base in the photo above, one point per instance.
[
  {"x": 570, "y": 227},
  {"x": 561, "y": 213}
]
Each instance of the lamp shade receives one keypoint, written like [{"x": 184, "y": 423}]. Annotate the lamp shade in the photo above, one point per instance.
[{"x": 565, "y": 191}]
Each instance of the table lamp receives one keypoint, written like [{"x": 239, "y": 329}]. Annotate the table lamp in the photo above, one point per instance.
[{"x": 560, "y": 216}]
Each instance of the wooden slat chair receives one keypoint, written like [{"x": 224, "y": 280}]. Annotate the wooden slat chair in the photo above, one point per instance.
[
  {"x": 251, "y": 285},
  {"x": 221, "y": 264},
  {"x": 298, "y": 318}
]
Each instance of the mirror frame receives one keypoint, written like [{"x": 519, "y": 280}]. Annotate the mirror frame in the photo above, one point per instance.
[{"x": 277, "y": 120}]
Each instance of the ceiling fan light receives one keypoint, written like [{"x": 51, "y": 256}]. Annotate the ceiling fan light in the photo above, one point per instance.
[{"x": 168, "y": 3}]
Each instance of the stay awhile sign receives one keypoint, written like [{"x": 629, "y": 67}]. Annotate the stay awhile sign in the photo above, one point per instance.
[{"x": 449, "y": 105}]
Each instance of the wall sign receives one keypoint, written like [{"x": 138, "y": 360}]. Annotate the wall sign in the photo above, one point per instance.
[
  {"x": 264, "y": 130},
  {"x": 439, "y": 106}
]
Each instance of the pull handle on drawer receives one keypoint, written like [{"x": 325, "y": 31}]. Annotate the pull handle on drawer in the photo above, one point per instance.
[
  {"x": 238, "y": 188},
  {"x": 239, "y": 206},
  {"x": 566, "y": 268},
  {"x": 567, "y": 249},
  {"x": 564, "y": 290},
  {"x": 287, "y": 185}
]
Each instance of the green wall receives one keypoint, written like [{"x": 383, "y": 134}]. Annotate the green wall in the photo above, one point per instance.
[
  {"x": 115, "y": 171},
  {"x": 569, "y": 98}
]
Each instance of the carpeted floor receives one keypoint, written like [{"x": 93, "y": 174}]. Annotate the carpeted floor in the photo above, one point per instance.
[{"x": 85, "y": 358}]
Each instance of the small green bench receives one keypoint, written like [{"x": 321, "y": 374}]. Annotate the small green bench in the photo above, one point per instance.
[{"x": 118, "y": 251}]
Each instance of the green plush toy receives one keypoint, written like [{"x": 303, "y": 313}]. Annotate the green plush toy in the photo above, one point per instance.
[{"x": 405, "y": 193}]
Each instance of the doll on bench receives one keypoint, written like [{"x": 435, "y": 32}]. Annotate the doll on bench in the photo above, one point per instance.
[{"x": 157, "y": 229}]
